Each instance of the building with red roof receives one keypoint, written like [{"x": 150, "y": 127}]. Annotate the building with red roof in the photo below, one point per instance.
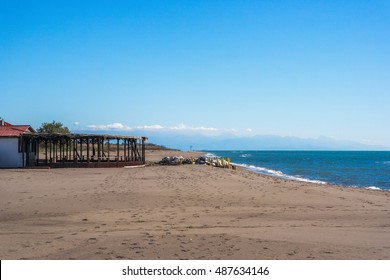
[{"x": 10, "y": 144}]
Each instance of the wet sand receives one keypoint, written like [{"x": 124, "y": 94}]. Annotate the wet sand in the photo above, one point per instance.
[{"x": 186, "y": 212}]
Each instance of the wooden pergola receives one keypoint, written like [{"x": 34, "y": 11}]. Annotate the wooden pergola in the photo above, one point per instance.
[{"x": 81, "y": 150}]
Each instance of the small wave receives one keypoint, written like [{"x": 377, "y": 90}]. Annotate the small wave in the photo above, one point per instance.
[
  {"x": 373, "y": 188},
  {"x": 279, "y": 174},
  {"x": 245, "y": 155},
  {"x": 383, "y": 162},
  {"x": 210, "y": 155}
]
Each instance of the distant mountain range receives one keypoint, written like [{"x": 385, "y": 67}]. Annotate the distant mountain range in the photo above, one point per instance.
[
  {"x": 230, "y": 142},
  {"x": 259, "y": 142}
]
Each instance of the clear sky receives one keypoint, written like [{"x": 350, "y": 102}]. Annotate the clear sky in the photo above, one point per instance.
[{"x": 291, "y": 68}]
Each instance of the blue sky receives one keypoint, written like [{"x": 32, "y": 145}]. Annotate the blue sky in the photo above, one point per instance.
[{"x": 289, "y": 68}]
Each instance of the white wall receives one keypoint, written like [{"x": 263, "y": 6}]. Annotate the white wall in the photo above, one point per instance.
[{"x": 9, "y": 153}]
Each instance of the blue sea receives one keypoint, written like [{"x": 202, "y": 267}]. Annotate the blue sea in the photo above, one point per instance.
[{"x": 345, "y": 168}]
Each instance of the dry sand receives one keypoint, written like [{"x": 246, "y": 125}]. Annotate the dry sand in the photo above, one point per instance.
[{"x": 186, "y": 212}]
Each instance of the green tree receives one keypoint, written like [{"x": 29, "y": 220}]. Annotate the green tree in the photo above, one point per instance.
[{"x": 53, "y": 127}]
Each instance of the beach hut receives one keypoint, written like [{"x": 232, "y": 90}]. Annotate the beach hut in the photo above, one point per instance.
[
  {"x": 22, "y": 146},
  {"x": 83, "y": 150},
  {"x": 11, "y": 154}
]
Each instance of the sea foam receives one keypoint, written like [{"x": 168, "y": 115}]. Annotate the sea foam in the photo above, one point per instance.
[
  {"x": 279, "y": 174},
  {"x": 343, "y": 168},
  {"x": 373, "y": 188},
  {"x": 245, "y": 155}
]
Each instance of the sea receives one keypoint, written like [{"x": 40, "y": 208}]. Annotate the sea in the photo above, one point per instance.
[{"x": 362, "y": 169}]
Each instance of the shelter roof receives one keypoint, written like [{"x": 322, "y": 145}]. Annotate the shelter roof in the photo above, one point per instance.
[
  {"x": 77, "y": 135},
  {"x": 14, "y": 130}
]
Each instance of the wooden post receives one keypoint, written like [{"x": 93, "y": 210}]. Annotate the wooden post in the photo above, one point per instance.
[
  {"x": 56, "y": 148},
  {"x": 124, "y": 149},
  {"x": 51, "y": 157},
  {"x": 98, "y": 142},
  {"x": 46, "y": 151},
  {"x": 132, "y": 150},
  {"x": 135, "y": 150},
  {"x": 143, "y": 150},
  {"x": 67, "y": 149},
  {"x": 128, "y": 149},
  {"x": 37, "y": 151},
  {"x": 75, "y": 150},
  {"x": 93, "y": 148},
  {"x": 103, "y": 154},
  {"x": 87, "y": 150},
  {"x": 62, "y": 149},
  {"x": 117, "y": 149},
  {"x": 81, "y": 149},
  {"x": 108, "y": 147}
]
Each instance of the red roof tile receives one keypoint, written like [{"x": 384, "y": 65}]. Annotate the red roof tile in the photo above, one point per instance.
[{"x": 14, "y": 130}]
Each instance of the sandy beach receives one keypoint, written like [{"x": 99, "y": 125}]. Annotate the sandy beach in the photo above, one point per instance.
[{"x": 185, "y": 212}]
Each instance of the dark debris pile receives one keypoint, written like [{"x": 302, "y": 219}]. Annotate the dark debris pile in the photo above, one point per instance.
[
  {"x": 212, "y": 161},
  {"x": 181, "y": 160}
]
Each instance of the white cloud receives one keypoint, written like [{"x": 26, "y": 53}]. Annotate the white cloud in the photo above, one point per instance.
[
  {"x": 183, "y": 127},
  {"x": 113, "y": 126},
  {"x": 180, "y": 128},
  {"x": 150, "y": 127},
  {"x": 76, "y": 123}
]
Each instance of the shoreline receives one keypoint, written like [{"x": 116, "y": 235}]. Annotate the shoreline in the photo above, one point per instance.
[
  {"x": 277, "y": 173},
  {"x": 186, "y": 212},
  {"x": 323, "y": 183}
]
